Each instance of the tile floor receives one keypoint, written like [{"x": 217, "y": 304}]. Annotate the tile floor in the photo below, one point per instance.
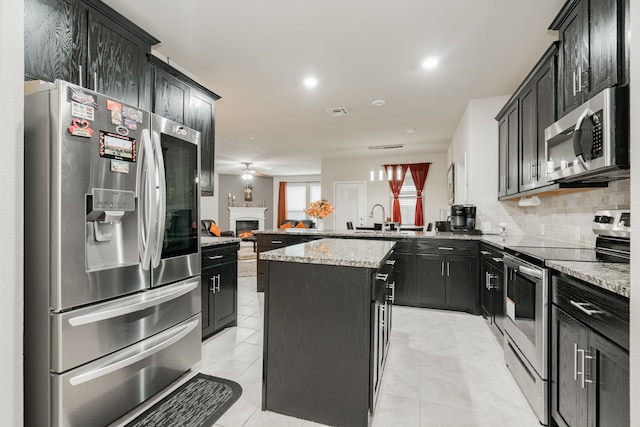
[{"x": 444, "y": 369}]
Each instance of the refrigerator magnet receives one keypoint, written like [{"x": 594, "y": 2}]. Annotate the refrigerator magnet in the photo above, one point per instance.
[
  {"x": 119, "y": 166},
  {"x": 82, "y": 111},
  {"x": 81, "y": 97},
  {"x": 122, "y": 130},
  {"x": 80, "y": 128},
  {"x": 117, "y": 147}
]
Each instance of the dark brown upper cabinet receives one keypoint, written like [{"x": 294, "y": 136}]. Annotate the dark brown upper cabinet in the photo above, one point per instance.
[
  {"x": 521, "y": 125},
  {"x": 593, "y": 49},
  {"x": 87, "y": 43},
  {"x": 178, "y": 97}
]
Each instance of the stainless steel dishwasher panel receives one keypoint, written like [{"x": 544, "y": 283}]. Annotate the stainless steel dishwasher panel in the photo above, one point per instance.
[
  {"x": 86, "y": 334},
  {"x": 102, "y": 391}
]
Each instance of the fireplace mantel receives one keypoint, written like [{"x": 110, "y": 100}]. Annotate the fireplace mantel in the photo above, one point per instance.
[{"x": 241, "y": 213}]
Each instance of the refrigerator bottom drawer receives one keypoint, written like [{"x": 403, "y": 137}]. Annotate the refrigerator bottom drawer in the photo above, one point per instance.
[{"x": 104, "y": 390}]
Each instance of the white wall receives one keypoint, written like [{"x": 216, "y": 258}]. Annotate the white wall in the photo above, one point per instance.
[
  {"x": 634, "y": 55},
  {"x": 209, "y": 204},
  {"x": 11, "y": 211},
  {"x": 474, "y": 151},
  {"x": 345, "y": 170}
]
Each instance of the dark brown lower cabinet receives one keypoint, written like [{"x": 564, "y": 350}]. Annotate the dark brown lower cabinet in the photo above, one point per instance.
[
  {"x": 446, "y": 275},
  {"x": 327, "y": 331},
  {"x": 589, "y": 356},
  {"x": 219, "y": 284}
]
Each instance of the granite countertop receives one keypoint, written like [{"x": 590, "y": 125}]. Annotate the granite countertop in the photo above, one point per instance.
[
  {"x": 373, "y": 234},
  {"x": 612, "y": 276},
  {"x": 214, "y": 241},
  {"x": 343, "y": 252}
]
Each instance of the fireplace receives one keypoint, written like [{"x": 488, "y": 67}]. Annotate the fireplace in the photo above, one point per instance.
[
  {"x": 243, "y": 226},
  {"x": 246, "y": 218}
]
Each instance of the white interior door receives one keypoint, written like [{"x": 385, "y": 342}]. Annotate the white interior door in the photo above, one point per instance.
[{"x": 351, "y": 202}]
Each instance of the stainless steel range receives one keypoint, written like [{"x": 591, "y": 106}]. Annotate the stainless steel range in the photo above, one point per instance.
[
  {"x": 526, "y": 323},
  {"x": 527, "y": 304}
]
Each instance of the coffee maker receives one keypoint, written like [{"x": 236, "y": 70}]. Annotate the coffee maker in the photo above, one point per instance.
[{"x": 463, "y": 219}]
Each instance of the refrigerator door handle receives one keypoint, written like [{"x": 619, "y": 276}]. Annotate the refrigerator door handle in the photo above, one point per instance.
[
  {"x": 138, "y": 303},
  {"x": 146, "y": 200},
  {"x": 116, "y": 361},
  {"x": 161, "y": 202}
]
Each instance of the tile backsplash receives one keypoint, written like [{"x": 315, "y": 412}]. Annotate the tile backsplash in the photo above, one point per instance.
[{"x": 565, "y": 217}]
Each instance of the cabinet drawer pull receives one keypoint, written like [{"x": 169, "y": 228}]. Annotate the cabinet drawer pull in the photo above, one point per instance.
[
  {"x": 215, "y": 257},
  {"x": 391, "y": 262},
  {"x": 445, "y": 248},
  {"x": 276, "y": 242},
  {"x": 496, "y": 259},
  {"x": 485, "y": 252},
  {"x": 380, "y": 276},
  {"x": 580, "y": 306}
]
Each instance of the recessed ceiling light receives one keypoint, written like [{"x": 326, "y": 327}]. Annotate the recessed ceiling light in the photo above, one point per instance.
[
  {"x": 411, "y": 130},
  {"x": 310, "y": 82},
  {"x": 430, "y": 63},
  {"x": 378, "y": 102}
]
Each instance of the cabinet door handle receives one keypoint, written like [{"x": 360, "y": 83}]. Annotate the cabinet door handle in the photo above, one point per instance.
[
  {"x": 213, "y": 285},
  {"x": 579, "y": 79},
  {"x": 580, "y": 306},
  {"x": 575, "y": 362},
  {"x": 392, "y": 287},
  {"x": 574, "y": 83},
  {"x": 215, "y": 257},
  {"x": 442, "y": 269},
  {"x": 445, "y": 248},
  {"x": 79, "y": 75},
  {"x": 448, "y": 266},
  {"x": 95, "y": 81},
  {"x": 218, "y": 283},
  {"x": 583, "y": 355},
  {"x": 276, "y": 242}
]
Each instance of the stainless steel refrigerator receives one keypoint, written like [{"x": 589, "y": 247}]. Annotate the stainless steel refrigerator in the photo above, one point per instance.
[{"x": 112, "y": 256}]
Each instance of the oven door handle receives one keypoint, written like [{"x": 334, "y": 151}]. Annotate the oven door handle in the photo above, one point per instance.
[{"x": 528, "y": 271}]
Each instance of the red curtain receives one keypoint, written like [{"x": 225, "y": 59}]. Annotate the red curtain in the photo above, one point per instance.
[
  {"x": 419, "y": 173},
  {"x": 396, "y": 185},
  {"x": 282, "y": 203}
]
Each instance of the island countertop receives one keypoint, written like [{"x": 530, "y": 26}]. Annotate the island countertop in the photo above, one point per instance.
[{"x": 344, "y": 252}]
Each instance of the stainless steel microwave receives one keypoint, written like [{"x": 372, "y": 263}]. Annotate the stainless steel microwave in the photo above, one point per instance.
[{"x": 591, "y": 143}]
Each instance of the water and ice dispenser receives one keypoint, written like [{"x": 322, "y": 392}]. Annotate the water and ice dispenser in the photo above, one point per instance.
[{"x": 111, "y": 229}]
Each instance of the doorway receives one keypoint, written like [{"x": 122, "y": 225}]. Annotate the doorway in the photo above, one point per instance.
[{"x": 351, "y": 201}]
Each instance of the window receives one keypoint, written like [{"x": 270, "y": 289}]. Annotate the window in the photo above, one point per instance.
[
  {"x": 407, "y": 198},
  {"x": 299, "y": 195}
]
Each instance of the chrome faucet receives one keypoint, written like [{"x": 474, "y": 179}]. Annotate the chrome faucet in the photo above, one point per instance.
[{"x": 384, "y": 218}]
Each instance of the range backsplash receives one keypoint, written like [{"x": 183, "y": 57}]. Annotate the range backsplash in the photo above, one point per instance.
[{"x": 565, "y": 217}]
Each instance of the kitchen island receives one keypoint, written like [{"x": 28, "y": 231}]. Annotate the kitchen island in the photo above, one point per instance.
[{"x": 327, "y": 316}]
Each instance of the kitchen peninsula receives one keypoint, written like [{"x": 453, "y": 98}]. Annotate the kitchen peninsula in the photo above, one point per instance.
[{"x": 327, "y": 312}]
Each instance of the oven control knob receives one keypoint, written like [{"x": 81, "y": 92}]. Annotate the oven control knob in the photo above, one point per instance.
[{"x": 603, "y": 219}]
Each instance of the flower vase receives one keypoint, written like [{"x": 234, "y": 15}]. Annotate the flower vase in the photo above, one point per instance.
[{"x": 319, "y": 224}]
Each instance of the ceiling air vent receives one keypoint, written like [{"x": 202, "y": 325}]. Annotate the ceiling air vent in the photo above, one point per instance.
[
  {"x": 385, "y": 147},
  {"x": 337, "y": 112}
]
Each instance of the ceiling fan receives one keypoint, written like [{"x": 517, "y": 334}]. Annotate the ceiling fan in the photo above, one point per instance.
[{"x": 249, "y": 173}]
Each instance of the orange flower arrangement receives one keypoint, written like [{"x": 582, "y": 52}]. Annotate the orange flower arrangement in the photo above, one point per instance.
[{"x": 320, "y": 209}]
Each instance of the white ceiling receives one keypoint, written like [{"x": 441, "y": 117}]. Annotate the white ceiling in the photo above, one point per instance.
[{"x": 255, "y": 55}]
